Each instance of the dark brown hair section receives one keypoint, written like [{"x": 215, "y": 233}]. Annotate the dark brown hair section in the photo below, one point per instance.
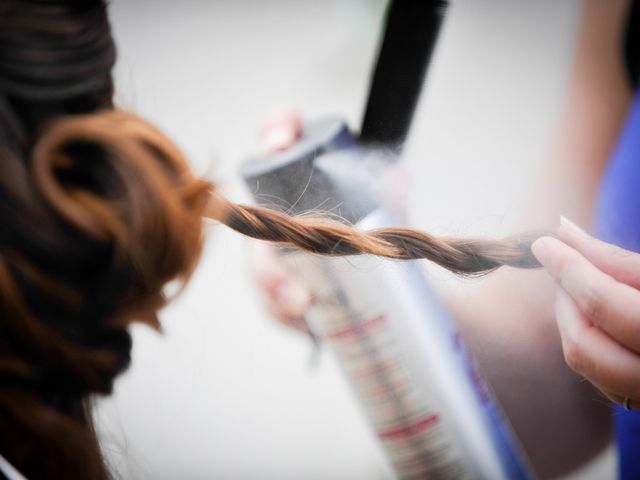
[{"x": 98, "y": 212}]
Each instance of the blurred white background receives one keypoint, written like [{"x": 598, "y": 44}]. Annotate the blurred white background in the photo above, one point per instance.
[{"x": 225, "y": 392}]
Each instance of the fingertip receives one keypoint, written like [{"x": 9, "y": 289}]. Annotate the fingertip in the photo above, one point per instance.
[
  {"x": 281, "y": 129},
  {"x": 568, "y": 230},
  {"x": 540, "y": 249},
  {"x": 293, "y": 297}
]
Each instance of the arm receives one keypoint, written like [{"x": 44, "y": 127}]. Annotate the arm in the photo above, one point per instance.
[{"x": 508, "y": 319}]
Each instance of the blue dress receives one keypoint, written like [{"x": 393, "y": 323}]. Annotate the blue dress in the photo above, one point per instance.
[{"x": 618, "y": 222}]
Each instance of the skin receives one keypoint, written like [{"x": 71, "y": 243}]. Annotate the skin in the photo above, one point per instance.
[
  {"x": 508, "y": 320},
  {"x": 538, "y": 335},
  {"x": 597, "y": 309}
]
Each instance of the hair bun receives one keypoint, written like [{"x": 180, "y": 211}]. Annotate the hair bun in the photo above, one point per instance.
[{"x": 125, "y": 188}]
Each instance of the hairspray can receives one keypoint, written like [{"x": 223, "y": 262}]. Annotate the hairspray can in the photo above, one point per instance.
[{"x": 415, "y": 381}]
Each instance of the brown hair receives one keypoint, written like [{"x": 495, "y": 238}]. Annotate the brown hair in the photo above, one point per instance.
[
  {"x": 99, "y": 211},
  {"x": 328, "y": 237}
]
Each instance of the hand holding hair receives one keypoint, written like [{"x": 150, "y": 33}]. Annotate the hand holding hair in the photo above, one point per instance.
[{"x": 597, "y": 309}]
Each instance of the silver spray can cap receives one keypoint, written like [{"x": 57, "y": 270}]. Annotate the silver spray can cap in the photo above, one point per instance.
[{"x": 323, "y": 171}]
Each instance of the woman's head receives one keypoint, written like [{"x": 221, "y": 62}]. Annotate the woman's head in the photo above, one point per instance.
[{"x": 98, "y": 212}]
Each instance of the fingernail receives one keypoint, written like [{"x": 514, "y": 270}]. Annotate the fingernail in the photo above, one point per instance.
[
  {"x": 572, "y": 227},
  {"x": 539, "y": 248},
  {"x": 294, "y": 297}
]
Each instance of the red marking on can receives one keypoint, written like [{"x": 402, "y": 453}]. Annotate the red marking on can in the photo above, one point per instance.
[
  {"x": 410, "y": 429},
  {"x": 356, "y": 329}
]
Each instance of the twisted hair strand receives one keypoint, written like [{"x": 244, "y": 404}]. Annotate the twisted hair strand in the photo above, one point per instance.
[{"x": 328, "y": 237}]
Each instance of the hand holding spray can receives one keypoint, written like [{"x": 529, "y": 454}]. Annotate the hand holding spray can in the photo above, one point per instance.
[{"x": 417, "y": 385}]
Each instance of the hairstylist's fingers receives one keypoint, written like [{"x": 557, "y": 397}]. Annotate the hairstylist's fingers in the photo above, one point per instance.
[
  {"x": 595, "y": 355},
  {"x": 611, "y": 305},
  {"x": 621, "y": 264},
  {"x": 286, "y": 298},
  {"x": 627, "y": 402},
  {"x": 606, "y": 393},
  {"x": 281, "y": 129},
  {"x": 623, "y": 400}
]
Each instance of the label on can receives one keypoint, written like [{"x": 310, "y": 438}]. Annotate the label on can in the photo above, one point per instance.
[{"x": 415, "y": 381}]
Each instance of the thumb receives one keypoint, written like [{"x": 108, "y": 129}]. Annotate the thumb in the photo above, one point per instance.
[{"x": 281, "y": 129}]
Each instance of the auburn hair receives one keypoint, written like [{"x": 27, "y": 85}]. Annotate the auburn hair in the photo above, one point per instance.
[{"x": 99, "y": 211}]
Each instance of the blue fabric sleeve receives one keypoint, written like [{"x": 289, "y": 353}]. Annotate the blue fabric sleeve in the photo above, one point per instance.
[{"x": 618, "y": 222}]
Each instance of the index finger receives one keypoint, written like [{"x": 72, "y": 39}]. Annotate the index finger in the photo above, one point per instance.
[
  {"x": 610, "y": 305},
  {"x": 281, "y": 129},
  {"x": 621, "y": 264}
]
